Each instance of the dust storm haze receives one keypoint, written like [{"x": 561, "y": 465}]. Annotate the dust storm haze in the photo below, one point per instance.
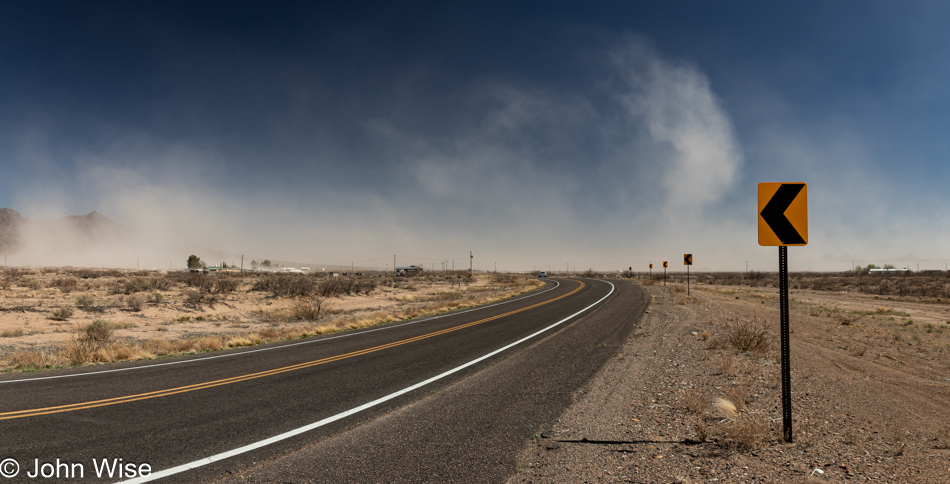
[{"x": 584, "y": 137}]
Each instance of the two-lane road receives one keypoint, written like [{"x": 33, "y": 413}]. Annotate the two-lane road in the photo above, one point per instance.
[{"x": 200, "y": 418}]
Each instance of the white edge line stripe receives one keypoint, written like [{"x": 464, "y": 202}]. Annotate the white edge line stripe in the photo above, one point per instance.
[
  {"x": 346, "y": 335},
  {"x": 306, "y": 428}
]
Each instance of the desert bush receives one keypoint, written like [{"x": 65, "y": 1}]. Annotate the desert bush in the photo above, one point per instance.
[
  {"x": 135, "y": 303},
  {"x": 345, "y": 286},
  {"x": 66, "y": 284},
  {"x": 748, "y": 337},
  {"x": 225, "y": 284},
  {"x": 98, "y": 332},
  {"x": 286, "y": 284},
  {"x": 365, "y": 286},
  {"x": 505, "y": 279},
  {"x": 61, "y": 314},
  {"x": 85, "y": 300},
  {"x": 156, "y": 297},
  {"x": 11, "y": 333},
  {"x": 34, "y": 284},
  {"x": 197, "y": 299},
  {"x": 755, "y": 277},
  {"x": 133, "y": 285},
  {"x": 309, "y": 309}
]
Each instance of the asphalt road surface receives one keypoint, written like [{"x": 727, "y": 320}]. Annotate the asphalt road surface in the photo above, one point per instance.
[{"x": 452, "y": 397}]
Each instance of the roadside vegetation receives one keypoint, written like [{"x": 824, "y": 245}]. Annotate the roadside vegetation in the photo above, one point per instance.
[{"x": 101, "y": 315}]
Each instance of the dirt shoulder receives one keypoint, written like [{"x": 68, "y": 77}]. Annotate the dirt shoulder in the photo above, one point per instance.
[{"x": 870, "y": 393}]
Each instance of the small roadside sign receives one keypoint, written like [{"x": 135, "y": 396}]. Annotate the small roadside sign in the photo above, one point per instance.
[{"x": 687, "y": 259}]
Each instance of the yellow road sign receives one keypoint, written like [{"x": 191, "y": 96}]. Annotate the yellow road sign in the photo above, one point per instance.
[
  {"x": 687, "y": 259},
  {"x": 665, "y": 264},
  {"x": 651, "y": 266},
  {"x": 783, "y": 214}
]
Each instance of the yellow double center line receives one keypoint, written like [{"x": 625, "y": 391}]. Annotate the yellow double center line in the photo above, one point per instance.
[{"x": 227, "y": 381}]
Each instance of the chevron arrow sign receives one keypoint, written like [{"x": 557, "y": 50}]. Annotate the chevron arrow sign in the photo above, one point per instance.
[{"x": 783, "y": 214}]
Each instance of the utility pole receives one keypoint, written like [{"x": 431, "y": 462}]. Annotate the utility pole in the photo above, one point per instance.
[
  {"x": 242, "y": 263},
  {"x": 394, "y": 265},
  {"x": 471, "y": 260}
]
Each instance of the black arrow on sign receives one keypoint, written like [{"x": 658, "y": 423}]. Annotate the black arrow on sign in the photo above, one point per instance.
[{"x": 774, "y": 213}]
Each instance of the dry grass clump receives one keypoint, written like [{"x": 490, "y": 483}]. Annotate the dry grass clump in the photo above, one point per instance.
[
  {"x": 745, "y": 433},
  {"x": 725, "y": 408},
  {"x": 89, "y": 341},
  {"x": 727, "y": 365},
  {"x": 34, "y": 284},
  {"x": 85, "y": 300},
  {"x": 135, "y": 303},
  {"x": 61, "y": 314},
  {"x": 32, "y": 359},
  {"x": 696, "y": 403},
  {"x": 748, "y": 337}
]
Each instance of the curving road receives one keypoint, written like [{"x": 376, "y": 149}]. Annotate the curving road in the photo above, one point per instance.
[{"x": 441, "y": 398}]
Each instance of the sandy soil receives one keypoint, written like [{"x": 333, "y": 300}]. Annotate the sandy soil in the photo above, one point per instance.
[{"x": 870, "y": 393}]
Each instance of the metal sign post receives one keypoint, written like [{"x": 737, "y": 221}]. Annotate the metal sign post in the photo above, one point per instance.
[
  {"x": 687, "y": 261},
  {"x": 786, "y": 367},
  {"x": 665, "y": 264},
  {"x": 783, "y": 221}
]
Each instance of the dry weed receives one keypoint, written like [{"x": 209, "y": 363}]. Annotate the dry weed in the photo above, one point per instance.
[
  {"x": 738, "y": 395},
  {"x": 725, "y": 408},
  {"x": 32, "y": 359},
  {"x": 745, "y": 433},
  {"x": 748, "y": 337},
  {"x": 702, "y": 432},
  {"x": 61, "y": 314},
  {"x": 696, "y": 403},
  {"x": 310, "y": 308},
  {"x": 727, "y": 365}
]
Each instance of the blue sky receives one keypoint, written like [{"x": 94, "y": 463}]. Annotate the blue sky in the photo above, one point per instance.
[{"x": 534, "y": 134}]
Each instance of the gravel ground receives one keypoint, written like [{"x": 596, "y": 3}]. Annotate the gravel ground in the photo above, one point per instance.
[{"x": 870, "y": 393}]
